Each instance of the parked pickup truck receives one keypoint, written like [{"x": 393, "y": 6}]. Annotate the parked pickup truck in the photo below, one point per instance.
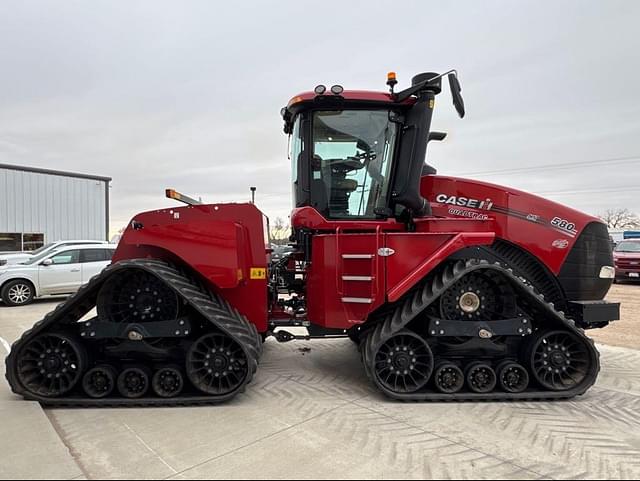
[{"x": 627, "y": 259}]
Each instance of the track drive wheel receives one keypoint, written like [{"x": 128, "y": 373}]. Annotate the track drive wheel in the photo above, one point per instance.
[
  {"x": 478, "y": 296},
  {"x": 137, "y": 296},
  {"x": 216, "y": 364},
  {"x": 404, "y": 363},
  {"x": 559, "y": 360},
  {"x": 51, "y": 365}
]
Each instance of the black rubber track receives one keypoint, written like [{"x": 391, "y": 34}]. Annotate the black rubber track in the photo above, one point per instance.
[
  {"x": 212, "y": 307},
  {"x": 420, "y": 299}
]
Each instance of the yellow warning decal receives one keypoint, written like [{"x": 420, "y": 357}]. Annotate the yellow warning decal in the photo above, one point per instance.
[
  {"x": 432, "y": 103},
  {"x": 258, "y": 273}
]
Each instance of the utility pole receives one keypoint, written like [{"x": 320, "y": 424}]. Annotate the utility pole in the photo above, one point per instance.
[{"x": 253, "y": 195}]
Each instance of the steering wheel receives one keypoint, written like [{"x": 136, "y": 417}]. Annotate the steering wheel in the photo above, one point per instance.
[{"x": 348, "y": 164}]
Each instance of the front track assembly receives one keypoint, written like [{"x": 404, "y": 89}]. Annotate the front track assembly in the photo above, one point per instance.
[
  {"x": 533, "y": 352},
  {"x": 160, "y": 339}
]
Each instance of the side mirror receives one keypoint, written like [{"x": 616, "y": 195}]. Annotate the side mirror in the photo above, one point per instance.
[
  {"x": 458, "y": 102},
  {"x": 47, "y": 262}
]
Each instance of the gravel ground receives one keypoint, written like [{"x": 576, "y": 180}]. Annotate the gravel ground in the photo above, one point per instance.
[{"x": 623, "y": 333}]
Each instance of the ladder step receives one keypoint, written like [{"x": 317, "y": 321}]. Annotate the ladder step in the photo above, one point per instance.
[
  {"x": 357, "y": 278},
  {"x": 357, "y": 300},
  {"x": 357, "y": 256}
]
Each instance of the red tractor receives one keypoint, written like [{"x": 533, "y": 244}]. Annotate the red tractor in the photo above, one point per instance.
[{"x": 451, "y": 288}]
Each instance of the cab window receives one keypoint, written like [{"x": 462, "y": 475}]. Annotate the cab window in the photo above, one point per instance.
[
  {"x": 351, "y": 162},
  {"x": 296, "y": 146}
]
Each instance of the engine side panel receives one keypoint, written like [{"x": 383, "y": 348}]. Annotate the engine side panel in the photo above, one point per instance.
[
  {"x": 225, "y": 244},
  {"x": 546, "y": 229}
]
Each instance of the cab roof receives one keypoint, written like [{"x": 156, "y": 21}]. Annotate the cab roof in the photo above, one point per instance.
[
  {"x": 355, "y": 95},
  {"x": 346, "y": 98}
]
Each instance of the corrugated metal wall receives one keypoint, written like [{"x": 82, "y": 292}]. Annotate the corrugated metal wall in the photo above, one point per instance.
[{"x": 62, "y": 208}]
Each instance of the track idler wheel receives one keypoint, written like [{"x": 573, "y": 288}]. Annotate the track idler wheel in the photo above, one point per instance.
[
  {"x": 167, "y": 382},
  {"x": 448, "y": 378},
  {"x": 133, "y": 382},
  {"x": 404, "y": 363},
  {"x": 216, "y": 364},
  {"x": 560, "y": 360},
  {"x": 481, "y": 378},
  {"x": 100, "y": 381},
  {"x": 513, "y": 377},
  {"x": 51, "y": 365}
]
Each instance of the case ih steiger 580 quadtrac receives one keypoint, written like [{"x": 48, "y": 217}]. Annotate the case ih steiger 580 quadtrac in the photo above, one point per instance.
[{"x": 451, "y": 288}]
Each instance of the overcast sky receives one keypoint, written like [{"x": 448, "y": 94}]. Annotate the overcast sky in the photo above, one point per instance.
[{"x": 186, "y": 94}]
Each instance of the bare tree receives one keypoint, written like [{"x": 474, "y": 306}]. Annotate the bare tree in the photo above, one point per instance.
[
  {"x": 279, "y": 231},
  {"x": 621, "y": 219}
]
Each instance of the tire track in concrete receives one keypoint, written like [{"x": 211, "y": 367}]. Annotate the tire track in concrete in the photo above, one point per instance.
[
  {"x": 589, "y": 436},
  {"x": 417, "y": 451}
]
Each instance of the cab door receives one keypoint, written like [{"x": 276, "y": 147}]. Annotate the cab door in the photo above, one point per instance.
[
  {"x": 63, "y": 275},
  {"x": 346, "y": 281}
]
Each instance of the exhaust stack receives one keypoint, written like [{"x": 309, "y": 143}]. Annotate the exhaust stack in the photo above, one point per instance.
[{"x": 413, "y": 147}]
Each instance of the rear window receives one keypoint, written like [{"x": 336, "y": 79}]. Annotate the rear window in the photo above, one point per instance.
[{"x": 96, "y": 255}]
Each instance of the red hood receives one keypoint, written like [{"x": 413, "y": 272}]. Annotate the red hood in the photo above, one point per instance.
[{"x": 545, "y": 228}]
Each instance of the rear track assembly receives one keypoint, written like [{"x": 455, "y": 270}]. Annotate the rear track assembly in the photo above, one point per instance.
[{"x": 52, "y": 363}]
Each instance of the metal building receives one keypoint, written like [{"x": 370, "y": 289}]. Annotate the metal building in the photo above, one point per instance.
[{"x": 38, "y": 206}]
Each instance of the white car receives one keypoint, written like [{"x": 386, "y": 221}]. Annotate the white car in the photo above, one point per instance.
[
  {"x": 20, "y": 257},
  {"x": 60, "y": 272}
]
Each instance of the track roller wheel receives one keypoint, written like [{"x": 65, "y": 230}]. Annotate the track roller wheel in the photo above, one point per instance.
[
  {"x": 100, "y": 381},
  {"x": 216, "y": 364},
  {"x": 481, "y": 377},
  {"x": 167, "y": 382},
  {"x": 513, "y": 377},
  {"x": 51, "y": 365},
  {"x": 404, "y": 363},
  {"x": 133, "y": 382},
  {"x": 448, "y": 378},
  {"x": 560, "y": 360}
]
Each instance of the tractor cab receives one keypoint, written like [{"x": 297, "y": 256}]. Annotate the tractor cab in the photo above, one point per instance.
[
  {"x": 348, "y": 165},
  {"x": 359, "y": 155}
]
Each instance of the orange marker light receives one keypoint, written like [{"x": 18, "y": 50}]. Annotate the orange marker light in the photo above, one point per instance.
[
  {"x": 391, "y": 81},
  {"x": 172, "y": 194}
]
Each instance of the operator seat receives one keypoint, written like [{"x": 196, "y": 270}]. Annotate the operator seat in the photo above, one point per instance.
[
  {"x": 332, "y": 199},
  {"x": 341, "y": 190}
]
